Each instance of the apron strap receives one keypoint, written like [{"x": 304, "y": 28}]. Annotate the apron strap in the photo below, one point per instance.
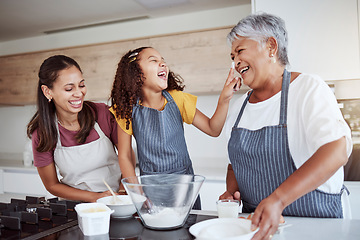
[
  {"x": 284, "y": 97},
  {"x": 283, "y": 103},
  {"x": 242, "y": 109}
]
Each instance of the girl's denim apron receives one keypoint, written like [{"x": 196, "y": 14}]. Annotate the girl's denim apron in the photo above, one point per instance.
[{"x": 160, "y": 140}]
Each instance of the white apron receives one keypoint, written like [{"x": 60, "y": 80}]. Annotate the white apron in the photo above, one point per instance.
[{"x": 84, "y": 166}]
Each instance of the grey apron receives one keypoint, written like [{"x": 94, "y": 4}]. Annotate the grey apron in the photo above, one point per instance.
[
  {"x": 160, "y": 140},
  {"x": 261, "y": 161}
]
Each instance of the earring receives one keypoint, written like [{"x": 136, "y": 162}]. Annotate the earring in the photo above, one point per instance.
[
  {"x": 49, "y": 99},
  {"x": 273, "y": 59}
]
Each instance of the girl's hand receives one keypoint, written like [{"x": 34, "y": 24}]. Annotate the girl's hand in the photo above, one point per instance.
[
  {"x": 214, "y": 125},
  {"x": 266, "y": 218},
  {"x": 232, "y": 85}
]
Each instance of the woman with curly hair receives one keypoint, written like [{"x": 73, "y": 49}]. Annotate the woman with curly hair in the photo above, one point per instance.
[{"x": 148, "y": 102}]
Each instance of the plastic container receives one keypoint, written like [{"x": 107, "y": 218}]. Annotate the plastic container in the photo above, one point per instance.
[{"x": 93, "y": 218}]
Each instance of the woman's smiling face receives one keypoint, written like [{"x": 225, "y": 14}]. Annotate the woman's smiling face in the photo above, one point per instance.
[
  {"x": 251, "y": 61},
  {"x": 154, "y": 69},
  {"x": 68, "y": 91}
]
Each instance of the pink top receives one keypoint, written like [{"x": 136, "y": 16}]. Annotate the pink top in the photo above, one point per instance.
[{"x": 106, "y": 122}]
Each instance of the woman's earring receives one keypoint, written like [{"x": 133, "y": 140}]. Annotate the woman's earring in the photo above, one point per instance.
[
  {"x": 273, "y": 59},
  {"x": 49, "y": 99}
]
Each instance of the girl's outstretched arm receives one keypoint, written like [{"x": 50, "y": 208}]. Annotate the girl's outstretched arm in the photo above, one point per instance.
[{"x": 213, "y": 126}]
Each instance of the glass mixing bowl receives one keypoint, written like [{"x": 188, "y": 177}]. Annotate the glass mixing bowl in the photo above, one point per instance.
[{"x": 169, "y": 198}]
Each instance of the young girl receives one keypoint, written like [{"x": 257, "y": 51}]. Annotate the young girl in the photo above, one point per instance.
[{"x": 148, "y": 102}]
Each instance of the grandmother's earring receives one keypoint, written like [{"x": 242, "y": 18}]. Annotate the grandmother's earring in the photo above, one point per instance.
[{"x": 273, "y": 59}]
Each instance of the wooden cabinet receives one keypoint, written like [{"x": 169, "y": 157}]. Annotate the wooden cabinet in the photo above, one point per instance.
[
  {"x": 323, "y": 35},
  {"x": 201, "y": 58}
]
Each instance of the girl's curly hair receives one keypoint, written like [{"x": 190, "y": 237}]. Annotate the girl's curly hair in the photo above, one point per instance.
[{"x": 128, "y": 82}]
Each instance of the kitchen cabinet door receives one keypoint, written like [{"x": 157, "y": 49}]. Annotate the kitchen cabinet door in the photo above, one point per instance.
[
  {"x": 16, "y": 181},
  {"x": 323, "y": 35}
]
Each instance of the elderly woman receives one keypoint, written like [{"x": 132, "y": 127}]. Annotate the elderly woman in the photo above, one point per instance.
[{"x": 288, "y": 140}]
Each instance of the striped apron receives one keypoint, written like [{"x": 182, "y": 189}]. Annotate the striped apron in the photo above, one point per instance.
[
  {"x": 160, "y": 140},
  {"x": 261, "y": 160}
]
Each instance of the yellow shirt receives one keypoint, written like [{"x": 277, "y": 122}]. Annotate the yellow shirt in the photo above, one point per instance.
[{"x": 186, "y": 103}]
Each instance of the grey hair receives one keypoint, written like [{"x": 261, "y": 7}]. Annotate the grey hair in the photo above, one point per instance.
[{"x": 259, "y": 27}]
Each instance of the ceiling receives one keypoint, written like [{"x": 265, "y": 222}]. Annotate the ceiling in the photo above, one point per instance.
[{"x": 29, "y": 18}]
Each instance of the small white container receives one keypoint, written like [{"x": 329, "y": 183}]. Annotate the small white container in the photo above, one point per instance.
[
  {"x": 93, "y": 218},
  {"x": 228, "y": 208}
]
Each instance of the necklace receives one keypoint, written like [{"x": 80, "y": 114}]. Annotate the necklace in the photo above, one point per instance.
[
  {"x": 72, "y": 127},
  {"x": 62, "y": 123}
]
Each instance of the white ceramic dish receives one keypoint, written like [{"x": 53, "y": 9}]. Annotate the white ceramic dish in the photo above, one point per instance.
[
  {"x": 223, "y": 228},
  {"x": 123, "y": 209}
]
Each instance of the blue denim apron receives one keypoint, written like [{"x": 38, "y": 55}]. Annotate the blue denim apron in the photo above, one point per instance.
[
  {"x": 261, "y": 161},
  {"x": 160, "y": 140}
]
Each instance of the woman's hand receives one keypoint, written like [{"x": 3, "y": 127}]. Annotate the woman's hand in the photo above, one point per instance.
[
  {"x": 101, "y": 195},
  {"x": 228, "y": 195},
  {"x": 266, "y": 218}
]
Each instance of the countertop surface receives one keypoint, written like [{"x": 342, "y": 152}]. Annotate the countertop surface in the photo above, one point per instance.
[
  {"x": 15, "y": 164},
  {"x": 300, "y": 228},
  {"x": 295, "y": 229}
]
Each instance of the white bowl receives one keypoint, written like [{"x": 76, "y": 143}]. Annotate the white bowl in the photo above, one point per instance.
[
  {"x": 124, "y": 208},
  {"x": 223, "y": 228}
]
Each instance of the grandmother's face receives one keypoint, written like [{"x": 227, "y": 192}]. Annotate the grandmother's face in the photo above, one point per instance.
[{"x": 251, "y": 61}]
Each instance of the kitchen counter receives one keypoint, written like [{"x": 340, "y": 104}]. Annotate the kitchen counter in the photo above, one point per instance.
[
  {"x": 16, "y": 164},
  {"x": 298, "y": 228}
]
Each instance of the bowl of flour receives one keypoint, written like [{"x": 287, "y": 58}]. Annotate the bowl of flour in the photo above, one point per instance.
[{"x": 169, "y": 198}]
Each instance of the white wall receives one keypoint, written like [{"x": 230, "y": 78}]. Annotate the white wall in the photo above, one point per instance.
[
  {"x": 200, "y": 145},
  {"x": 14, "y": 120}
]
